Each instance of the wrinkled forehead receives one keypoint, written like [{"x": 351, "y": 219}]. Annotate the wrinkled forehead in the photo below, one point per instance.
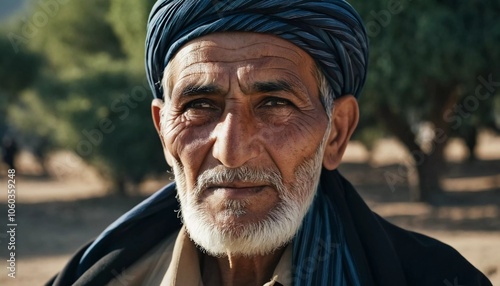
[
  {"x": 238, "y": 46},
  {"x": 222, "y": 52}
]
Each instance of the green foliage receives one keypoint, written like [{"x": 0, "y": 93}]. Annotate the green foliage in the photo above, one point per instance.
[
  {"x": 420, "y": 50},
  {"x": 92, "y": 97},
  {"x": 17, "y": 71},
  {"x": 130, "y": 34},
  {"x": 427, "y": 61},
  {"x": 75, "y": 34},
  {"x": 426, "y": 57},
  {"x": 111, "y": 124}
]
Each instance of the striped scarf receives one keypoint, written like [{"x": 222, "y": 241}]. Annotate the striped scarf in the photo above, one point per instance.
[{"x": 320, "y": 252}]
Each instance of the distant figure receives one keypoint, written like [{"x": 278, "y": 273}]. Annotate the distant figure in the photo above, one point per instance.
[{"x": 9, "y": 151}]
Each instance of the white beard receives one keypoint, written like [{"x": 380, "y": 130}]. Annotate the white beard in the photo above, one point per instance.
[{"x": 258, "y": 238}]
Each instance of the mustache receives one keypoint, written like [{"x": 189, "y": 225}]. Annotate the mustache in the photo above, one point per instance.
[{"x": 221, "y": 175}]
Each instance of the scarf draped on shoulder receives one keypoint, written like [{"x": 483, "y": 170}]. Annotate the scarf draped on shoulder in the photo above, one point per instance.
[{"x": 376, "y": 253}]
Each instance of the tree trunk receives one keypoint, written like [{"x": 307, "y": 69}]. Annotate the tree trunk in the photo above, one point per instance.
[
  {"x": 470, "y": 139},
  {"x": 119, "y": 186},
  {"x": 433, "y": 164},
  {"x": 429, "y": 165},
  {"x": 429, "y": 168}
]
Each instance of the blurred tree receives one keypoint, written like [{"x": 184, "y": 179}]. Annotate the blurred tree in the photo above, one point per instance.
[
  {"x": 430, "y": 61},
  {"x": 75, "y": 34},
  {"x": 17, "y": 71},
  {"x": 130, "y": 34},
  {"x": 93, "y": 97}
]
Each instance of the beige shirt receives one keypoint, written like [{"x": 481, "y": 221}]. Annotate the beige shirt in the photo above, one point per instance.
[{"x": 176, "y": 262}]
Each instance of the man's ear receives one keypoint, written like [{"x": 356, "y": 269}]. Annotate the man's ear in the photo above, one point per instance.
[
  {"x": 156, "y": 107},
  {"x": 345, "y": 116}
]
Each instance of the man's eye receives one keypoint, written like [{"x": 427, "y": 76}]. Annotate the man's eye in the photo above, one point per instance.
[
  {"x": 200, "y": 104},
  {"x": 274, "y": 101}
]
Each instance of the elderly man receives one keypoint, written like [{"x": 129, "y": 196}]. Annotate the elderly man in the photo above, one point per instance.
[{"x": 255, "y": 104}]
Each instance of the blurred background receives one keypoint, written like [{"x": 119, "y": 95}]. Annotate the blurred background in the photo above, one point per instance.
[{"x": 75, "y": 124}]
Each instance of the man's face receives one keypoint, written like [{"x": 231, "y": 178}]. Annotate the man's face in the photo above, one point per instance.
[{"x": 243, "y": 127}]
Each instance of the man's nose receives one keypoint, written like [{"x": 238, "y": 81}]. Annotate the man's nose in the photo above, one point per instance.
[{"x": 236, "y": 140}]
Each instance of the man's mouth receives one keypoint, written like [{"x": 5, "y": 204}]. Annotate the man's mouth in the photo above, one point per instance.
[{"x": 234, "y": 191}]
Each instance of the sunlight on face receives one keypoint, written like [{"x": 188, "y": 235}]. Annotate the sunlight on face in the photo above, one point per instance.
[
  {"x": 244, "y": 129},
  {"x": 257, "y": 238}
]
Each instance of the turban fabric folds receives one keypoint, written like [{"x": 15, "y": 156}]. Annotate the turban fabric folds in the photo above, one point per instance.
[{"x": 331, "y": 32}]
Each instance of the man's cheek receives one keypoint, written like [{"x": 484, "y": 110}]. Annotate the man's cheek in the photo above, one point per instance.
[
  {"x": 175, "y": 142},
  {"x": 190, "y": 159},
  {"x": 299, "y": 130},
  {"x": 168, "y": 157}
]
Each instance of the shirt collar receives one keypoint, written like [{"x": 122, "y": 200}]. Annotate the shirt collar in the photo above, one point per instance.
[{"x": 184, "y": 268}]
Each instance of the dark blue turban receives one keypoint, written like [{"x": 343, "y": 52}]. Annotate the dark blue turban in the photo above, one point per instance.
[{"x": 331, "y": 32}]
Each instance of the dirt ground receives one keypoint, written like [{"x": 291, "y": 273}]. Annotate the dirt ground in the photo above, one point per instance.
[{"x": 58, "y": 214}]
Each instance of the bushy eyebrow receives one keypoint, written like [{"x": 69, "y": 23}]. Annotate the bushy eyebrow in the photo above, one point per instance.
[
  {"x": 207, "y": 89},
  {"x": 257, "y": 87},
  {"x": 272, "y": 86}
]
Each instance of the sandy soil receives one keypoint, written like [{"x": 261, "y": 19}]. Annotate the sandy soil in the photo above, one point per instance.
[{"x": 57, "y": 215}]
